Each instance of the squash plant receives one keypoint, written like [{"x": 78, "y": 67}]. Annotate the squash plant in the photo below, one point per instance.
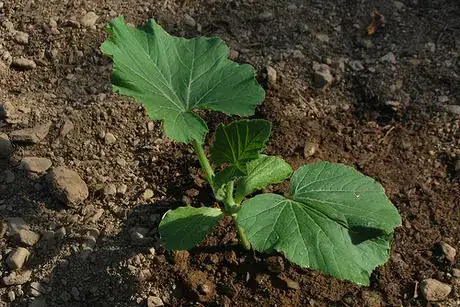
[{"x": 335, "y": 219}]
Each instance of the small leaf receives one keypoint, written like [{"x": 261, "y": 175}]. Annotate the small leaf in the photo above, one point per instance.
[
  {"x": 337, "y": 220},
  {"x": 173, "y": 76},
  {"x": 240, "y": 142},
  {"x": 260, "y": 174},
  {"x": 186, "y": 227},
  {"x": 223, "y": 178}
]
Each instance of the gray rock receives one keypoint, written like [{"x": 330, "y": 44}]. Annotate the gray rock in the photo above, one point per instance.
[
  {"x": 356, "y": 65},
  {"x": 399, "y": 5},
  {"x": 27, "y": 237},
  {"x": 15, "y": 225},
  {"x": 68, "y": 186},
  {"x": 292, "y": 7},
  {"x": 89, "y": 20},
  {"x": 17, "y": 278},
  {"x": 109, "y": 138},
  {"x": 453, "y": 108},
  {"x": 36, "y": 164},
  {"x": 434, "y": 290},
  {"x": 66, "y": 127},
  {"x": 189, "y": 21},
  {"x": 23, "y": 64},
  {"x": 389, "y": 58},
  {"x": 449, "y": 251},
  {"x": 271, "y": 77},
  {"x": 266, "y": 16},
  {"x": 322, "y": 77},
  {"x": 322, "y": 37},
  {"x": 17, "y": 258},
  {"x": 21, "y": 38},
  {"x": 154, "y": 301},
  {"x": 31, "y": 135},
  {"x": 5, "y": 146}
]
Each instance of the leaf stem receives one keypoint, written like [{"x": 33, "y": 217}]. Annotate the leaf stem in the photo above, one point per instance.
[
  {"x": 204, "y": 162},
  {"x": 243, "y": 239}
]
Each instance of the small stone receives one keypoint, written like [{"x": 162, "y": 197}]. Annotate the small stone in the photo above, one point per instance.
[
  {"x": 38, "y": 287},
  {"x": 17, "y": 258},
  {"x": 122, "y": 189},
  {"x": 16, "y": 224},
  {"x": 36, "y": 164},
  {"x": 52, "y": 23},
  {"x": 110, "y": 189},
  {"x": 233, "y": 54},
  {"x": 271, "y": 77},
  {"x": 356, "y": 65},
  {"x": 89, "y": 20},
  {"x": 322, "y": 37},
  {"x": 31, "y": 135},
  {"x": 8, "y": 25},
  {"x": 292, "y": 7},
  {"x": 189, "y": 21},
  {"x": 68, "y": 186},
  {"x": 456, "y": 273},
  {"x": 11, "y": 296},
  {"x": 266, "y": 16},
  {"x": 452, "y": 108},
  {"x": 434, "y": 290},
  {"x": 289, "y": 283},
  {"x": 21, "y": 38},
  {"x": 5, "y": 146},
  {"x": 389, "y": 57},
  {"x": 148, "y": 193},
  {"x": 27, "y": 237},
  {"x": 322, "y": 77},
  {"x": 17, "y": 278},
  {"x": 154, "y": 301},
  {"x": 121, "y": 162},
  {"x": 449, "y": 251},
  {"x": 97, "y": 215},
  {"x": 309, "y": 150},
  {"x": 6, "y": 109},
  {"x": 398, "y": 5},
  {"x": 23, "y": 64},
  {"x": 431, "y": 47},
  {"x": 66, "y": 127},
  {"x": 150, "y": 126},
  {"x": 109, "y": 138}
]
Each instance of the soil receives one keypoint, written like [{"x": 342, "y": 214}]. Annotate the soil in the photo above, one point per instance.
[{"x": 391, "y": 111}]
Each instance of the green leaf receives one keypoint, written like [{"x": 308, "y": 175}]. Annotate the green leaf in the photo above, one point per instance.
[
  {"x": 240, "y": 142},
  {"x": 223, "y": 178},
  {"x": 173, "y": 76},
  {"x": 337, "y": 220},
  {"x": 185, "y": 227},
  {"x": 261, "y": 173}
]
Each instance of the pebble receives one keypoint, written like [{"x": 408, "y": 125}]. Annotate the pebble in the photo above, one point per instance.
[
  {"x": 398, "y": 5},
  {"x": 292, "y": 7},
  {"x": 17, "y": 258},
  {"x": 89, "y": 20},
  {"x": 122, "y": 189},
  {"x": 189, "y": 21},
  {"x": 53, "y": 23},
  {"x": 266, "y": 16},
  {"x": 154, "y": 301},
  {"x": 434, "y": 290},
  {"x": 97, "y": 215},
  {"x": 8, "y": 25},
  {"x": 456, "y": 273},
  {"x": 271, "y": 77},
  {"x": 31, "y": 135},
  {"x": 15, "y": 225},
  {"x": 36, "y": 164},
  {"x": 5, "y": 146},
  {"x": 109, "y": 138},
  {"x": 356, "y": 65},
  {"x": 27, "y": 237},
  {"x": 452, "y": 108},
  {"x": 6, "y": 109},
  {"x": 68, "y": 186},
  {"x": 449, "y": 251},
  {"x": 322, "y": 37},
  {"x": 389, "y": 57},
  {"x": 309, "y": 150},
  {"x": 322, "y": 77},
  {"x": 17, "y": 278},
  {"x": 23, "y": 64},
  {"x": 66, "y": 127},
  {"x": 110, "y": 189},
  {"x": 148, "y": 193},
  {"x": 21, "y": 38},
  {"x": 11, "y": 296},
  {"x": 233, "y": 55},
  {"x": 38, "y": 287}
]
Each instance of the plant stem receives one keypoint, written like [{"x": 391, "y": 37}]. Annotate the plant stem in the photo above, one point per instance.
[
  {"x": 241, "y": 234},
  {"x": 204, "y": 162}
]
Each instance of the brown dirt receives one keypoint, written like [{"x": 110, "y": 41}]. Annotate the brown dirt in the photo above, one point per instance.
[{"x": 412, "y": 149}]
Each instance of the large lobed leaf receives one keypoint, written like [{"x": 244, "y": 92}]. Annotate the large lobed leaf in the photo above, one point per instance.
[
  {"x": 336, "y": 220},
  {"x": 185, "y": 227},
  {"x": 173, "y": 76}
]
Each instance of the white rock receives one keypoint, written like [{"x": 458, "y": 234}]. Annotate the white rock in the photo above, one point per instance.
[
  {"x": 28, "y": 237},
  {"x": 154, "y": 301},
  {"x": 68, "y": 186},
  {"x": 109, "y": 138},
  {"x": 17, "y": 278},
  {"x": 36, "y": 164},
  {"x": 271, "y": 77},
  {"x": 89, "y": 20},
  {"x": 17, "y": 258},
  {"x": 434, "y": 290}
]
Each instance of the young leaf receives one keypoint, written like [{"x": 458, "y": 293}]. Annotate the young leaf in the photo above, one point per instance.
[
  {"x": 173, "y": 76},
  {"x": 240, "y": 142},
  {"x": 185, "y": 227},
  {"x": 223, "y": 178},
  {"x": 337, "y": 220},
  {"x": 261, "y": 173}
]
